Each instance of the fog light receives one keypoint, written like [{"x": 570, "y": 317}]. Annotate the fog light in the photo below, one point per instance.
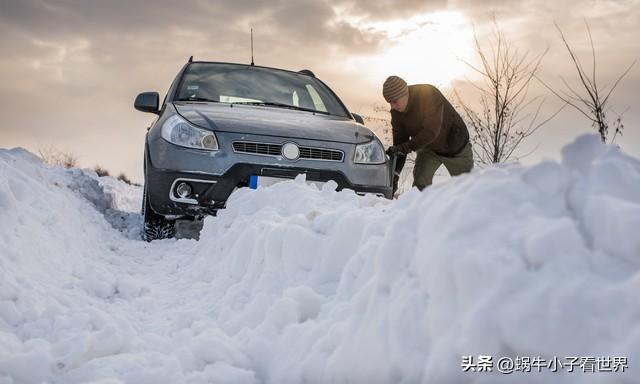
[{"x": 183, "y": 190}]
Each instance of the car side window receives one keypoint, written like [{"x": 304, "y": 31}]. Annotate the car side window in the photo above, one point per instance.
[
  {"x": 315, "y": 97},
  {"x": 301, "y": 98},
  {"x": 296, "y": 99}
]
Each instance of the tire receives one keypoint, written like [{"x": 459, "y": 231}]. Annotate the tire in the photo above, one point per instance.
[{"x": 155, "y": 227}]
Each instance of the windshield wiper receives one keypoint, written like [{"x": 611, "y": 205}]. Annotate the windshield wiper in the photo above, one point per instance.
[
  {"x": 279, "y": 105},
  {"x": 203, "y": 99}
]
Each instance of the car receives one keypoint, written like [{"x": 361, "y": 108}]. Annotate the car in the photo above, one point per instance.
[{"x": 224, "y": 126}]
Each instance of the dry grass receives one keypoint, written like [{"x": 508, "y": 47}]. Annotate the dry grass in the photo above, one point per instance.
[{"x": 54, "y": 156}]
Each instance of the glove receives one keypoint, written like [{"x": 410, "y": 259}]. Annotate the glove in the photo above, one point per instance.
[{"x": 400, "y": 149}]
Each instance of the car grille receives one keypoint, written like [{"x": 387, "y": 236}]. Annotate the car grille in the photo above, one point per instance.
[
  {"x": 257, "y": 148},
  {"x": 320, "y": 154},
  {"x": 307, "y": 153}
]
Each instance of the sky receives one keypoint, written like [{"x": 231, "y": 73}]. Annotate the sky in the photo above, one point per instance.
[{"x": 70, "y": 70}]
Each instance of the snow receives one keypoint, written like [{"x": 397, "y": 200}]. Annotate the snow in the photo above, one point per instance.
[{"x": 292, "y": 283}]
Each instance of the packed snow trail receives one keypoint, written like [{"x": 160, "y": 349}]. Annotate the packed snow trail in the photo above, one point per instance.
[{"x": 293, "y": 284}]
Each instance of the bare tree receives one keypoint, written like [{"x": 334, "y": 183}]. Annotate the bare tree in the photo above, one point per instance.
[
  {"x": 380, "y": 122},
  {"x": 592, "y": 101},
  {"x": 53, "y": 156},
  {"x": 507, "y": 114}
]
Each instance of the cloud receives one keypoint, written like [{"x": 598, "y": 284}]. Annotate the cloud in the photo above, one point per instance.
[
  {"x": 70, "y": 69},
  {"x": 383, "y": 10}
]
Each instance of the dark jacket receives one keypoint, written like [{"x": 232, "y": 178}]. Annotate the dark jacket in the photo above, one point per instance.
[{"x": 429, "y": 121}]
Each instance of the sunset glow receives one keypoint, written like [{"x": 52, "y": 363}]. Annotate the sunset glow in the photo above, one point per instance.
[{"x": 426, "y": 49}]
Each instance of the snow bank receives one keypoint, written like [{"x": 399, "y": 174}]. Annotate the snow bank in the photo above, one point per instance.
[{"x": 293, "y": 284}]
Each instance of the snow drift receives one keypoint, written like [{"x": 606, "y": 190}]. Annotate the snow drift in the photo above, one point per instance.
[{"x": 293, "y": 284}]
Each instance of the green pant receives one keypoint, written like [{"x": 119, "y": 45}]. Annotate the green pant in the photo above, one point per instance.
[{"x": 427, "y": 162}]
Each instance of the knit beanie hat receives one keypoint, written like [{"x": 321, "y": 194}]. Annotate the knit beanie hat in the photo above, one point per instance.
[{"x": 394, "y": 88}]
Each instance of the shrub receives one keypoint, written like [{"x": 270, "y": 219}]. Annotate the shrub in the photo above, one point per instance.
[
  {"x": 54, "y": 156},
  {"x": 101, "y": 171},
  {"x": 124, "y": 178}
]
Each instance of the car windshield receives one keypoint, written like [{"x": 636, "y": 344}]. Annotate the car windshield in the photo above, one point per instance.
[{"x": 243, "y": 84}]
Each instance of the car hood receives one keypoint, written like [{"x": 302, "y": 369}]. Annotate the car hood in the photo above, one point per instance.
[{"x": 271, "y": 121}]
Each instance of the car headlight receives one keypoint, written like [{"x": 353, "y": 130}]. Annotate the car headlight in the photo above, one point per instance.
[
  {"x": 178, "y": 131},
  {"x": 369, "y": 153}
]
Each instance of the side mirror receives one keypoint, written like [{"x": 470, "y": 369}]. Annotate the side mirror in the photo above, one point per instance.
[
  {"x": 358, "y": 118},
  {"x": 148, "y": 102}
]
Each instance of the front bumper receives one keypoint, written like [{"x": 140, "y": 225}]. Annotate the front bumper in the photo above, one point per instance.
[
  {"x": 211, "y": 191},
  {"x": 215, "y": 175}
]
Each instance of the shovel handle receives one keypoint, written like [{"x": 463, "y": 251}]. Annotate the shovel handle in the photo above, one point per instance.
[{"x": 392, "y": 169}]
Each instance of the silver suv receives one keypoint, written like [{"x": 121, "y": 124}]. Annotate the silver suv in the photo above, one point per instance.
[{"x": 224, "y": 126}]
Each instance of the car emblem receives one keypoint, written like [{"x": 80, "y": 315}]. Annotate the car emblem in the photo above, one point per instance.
[{"x": 290, "y": 151}]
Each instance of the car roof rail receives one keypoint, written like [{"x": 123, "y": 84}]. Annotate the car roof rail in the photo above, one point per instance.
[
  {"x": 307, "y": 72},
  {"x": 190, "y": 59}
]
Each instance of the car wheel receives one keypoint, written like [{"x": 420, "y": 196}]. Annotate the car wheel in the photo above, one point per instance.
[{"x": 155, "y": 227}]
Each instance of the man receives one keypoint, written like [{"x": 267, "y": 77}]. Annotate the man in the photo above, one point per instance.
[{"x": 424, "y": 121}]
